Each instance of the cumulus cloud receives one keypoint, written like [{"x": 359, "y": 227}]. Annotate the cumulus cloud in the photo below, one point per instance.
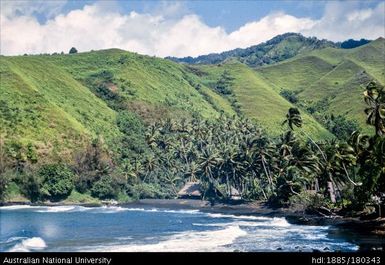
[
  {"x": 343, "y": 20},
  {"x": 166, "y": 32}
]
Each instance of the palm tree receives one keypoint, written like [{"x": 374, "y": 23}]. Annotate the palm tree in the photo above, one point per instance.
[
  {"x": 374, "y": 97},
  {"x": 345, "y": 158},
  {"x": 172, "y": 179},
  {"x": 293, "y": 118},
  {"x": 150, "y": 164},
  {"x": 151, "y": 136},
  {"x": 132, "y": 170},
  {"x": 191, "y": 172}
]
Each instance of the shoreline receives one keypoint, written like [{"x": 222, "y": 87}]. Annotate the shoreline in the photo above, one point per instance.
[
  {"x": 255, "y": 208},
  {"x": 368, "y": 234}
]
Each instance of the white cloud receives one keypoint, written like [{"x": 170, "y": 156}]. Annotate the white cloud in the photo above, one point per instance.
[
  {"x": 343, "y": 20},
  {"x": 268, "y": 27},
  {"x": 167, "y": 33}
]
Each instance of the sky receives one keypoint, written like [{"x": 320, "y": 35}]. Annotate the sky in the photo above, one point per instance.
[{"x": 178, "y": 28}]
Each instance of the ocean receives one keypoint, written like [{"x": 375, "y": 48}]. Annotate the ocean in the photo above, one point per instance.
[{"x": 121, "y": 229}]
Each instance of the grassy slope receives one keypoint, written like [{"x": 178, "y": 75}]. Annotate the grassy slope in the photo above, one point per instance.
[
  {"x": 49, "y": 105},
  {"x": 331, "y": 73},
  {"x": 147, "y": 79},
  {"x": 258, "y": 100},
  {"x": 45, "y": 98}
]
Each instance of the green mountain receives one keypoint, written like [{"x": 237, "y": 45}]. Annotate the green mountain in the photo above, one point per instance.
[
  {"x": 330, "y": 79},
  {"x": 59, "y": 103},
  {"x": 257, "y": 99},
  {"x": 69, "y": 99},
  {"x": 112, "y": 124},
  {"x": 277, "y": 49}
]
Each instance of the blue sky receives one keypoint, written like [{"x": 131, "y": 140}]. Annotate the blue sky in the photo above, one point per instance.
[
  {"x": 230, "y": 14},
  {"x": 156, "y": 27}
]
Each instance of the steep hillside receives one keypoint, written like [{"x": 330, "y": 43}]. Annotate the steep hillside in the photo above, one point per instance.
[
  {"x": 275, "y": 50},
  {"x": 65, "y": 100},
  {"x": 42, "y": 104},
  {"x": 257, "y": 99},
  {"x": 139, "y": 80},
  {"x": 331, "y": 77}
]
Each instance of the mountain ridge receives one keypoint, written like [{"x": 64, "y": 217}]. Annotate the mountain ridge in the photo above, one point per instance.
[
  {"x": 279, "y": 48},
  {"x": 73, "y": 98}
]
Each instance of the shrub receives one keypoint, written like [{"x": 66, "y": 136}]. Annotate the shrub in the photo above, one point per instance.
[
  {"x": 30, "y": 186},
  {"x": 310, "y": 202},
  {"x": 73, "y": 50},
  {"x": 103, "y": 75},
  {"x": 105, "y": 188},
  {"x": 340, "y": 126},
  {"x": 289, "y": 95},
  {"x": 129, "y": 123},
  {"x": 145, "y": 191},
  {"x": 224, "y": 83},
  {"x": 57, "y": 181},
  {"x": 5, "y": 179},
  {"x": 91, "y": 164},
  {"x": 132, "y": 143}
]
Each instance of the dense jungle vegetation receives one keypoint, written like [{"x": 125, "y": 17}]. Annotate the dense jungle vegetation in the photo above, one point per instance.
[{"x": 229, "y": 152}]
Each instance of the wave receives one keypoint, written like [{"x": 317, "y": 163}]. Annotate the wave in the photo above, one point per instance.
[
  {"x": 29, "y": 244},
  {"x": 190, "y": 241},
  {"x": 57, "y": 209},
  {"x": 158, "y": 210},
  {"x": 102, "y": 209},
  {"x": 12, "y": 239},
  {"x": 274, "y": 222},
  {"x": 15, "y": 207},
  {"x": 271, "y": 221},
  {"x": 244, "y": 217},
  {"x": 280, "y": 222}
]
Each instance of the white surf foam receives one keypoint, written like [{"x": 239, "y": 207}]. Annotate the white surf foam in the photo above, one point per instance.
[
  {"x": 280, "y": 222},
  {"x": 191, "y": 241},
  {"x": 26, "y": 245},
  {"x": 271, "y": 222},
  {"x": 244, "y": 217},
  {"x": 45, "y": 209},
  {"x": 161, "y": 210},
  {"x": 56, "y": 209},
  {"x": 102, "y": 209},
  {"x": 15, "y": 207}
]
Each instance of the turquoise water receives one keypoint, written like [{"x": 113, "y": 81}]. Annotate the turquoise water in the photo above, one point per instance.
[{"x": 77, "y": 228}]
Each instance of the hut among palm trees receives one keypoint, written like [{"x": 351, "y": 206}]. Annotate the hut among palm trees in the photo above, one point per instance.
[
  {"x": 191, "y": 190},
  {"x": 234, "y": 194}
]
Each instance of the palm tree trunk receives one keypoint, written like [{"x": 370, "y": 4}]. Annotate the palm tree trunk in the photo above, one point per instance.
[
  {"x": 228, "y": 185},
  {"x": 291, "y": 189},
  {"x": 348, "y": 177},
  {"x": 264, "y": 194},
  {"x": 267, "y": 174},
  {"x": 331, "y": 189},
  {"x": 319, "y": 148}
]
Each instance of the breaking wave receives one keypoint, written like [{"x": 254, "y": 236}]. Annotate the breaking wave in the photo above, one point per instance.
[
  {"x": 102, "y": 209},
  {"x": 29, "y": 244},
  {"x": 190, "y": 241}
]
